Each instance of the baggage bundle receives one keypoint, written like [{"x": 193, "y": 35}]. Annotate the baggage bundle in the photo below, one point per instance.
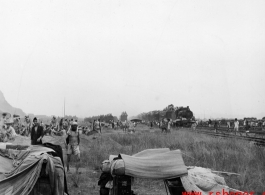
[{"x": 164, "y": 164}]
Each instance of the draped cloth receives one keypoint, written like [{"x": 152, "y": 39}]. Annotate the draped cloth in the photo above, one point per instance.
[
  {"x": 165, "y": 164},
  {"x": 200, "y": 179},
  {"x": 155, "y": 164},
  {"x": 20, "y": 170}
]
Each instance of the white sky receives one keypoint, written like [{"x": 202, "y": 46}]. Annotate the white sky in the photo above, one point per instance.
[{"x": 133, "y": 55}]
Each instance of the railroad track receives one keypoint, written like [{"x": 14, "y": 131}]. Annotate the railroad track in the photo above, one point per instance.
[{"x": 256, "y": 140}]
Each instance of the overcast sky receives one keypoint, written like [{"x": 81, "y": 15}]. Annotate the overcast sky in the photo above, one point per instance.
[{"x": 135, "y": 56}]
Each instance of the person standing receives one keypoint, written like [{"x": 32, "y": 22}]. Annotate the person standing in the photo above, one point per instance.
[
  {"x": 169, "y": 125},
  {"x": 245, "y": 123},
  {"x": 26, "y": 127},
  {"x": 93, "y": 125},
  {"x": 228, "y": 125},
  {"x": 73, "y": 141},
  {"x": 61, "y": 124},
  {"x": 210, "y": 122},
  {"x": 194, "y": 125},
  {"x": 97, "y": 126},
  {"x": 37, "y": 133},
  {"x": 236, "y": 125},
  {"x": 161, "y": 124},
  {"x": 215, "y": 126},
  {"x": 99, "y": 123}
]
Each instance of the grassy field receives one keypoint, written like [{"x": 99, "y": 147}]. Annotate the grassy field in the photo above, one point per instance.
[{"x": 217, "y": 154}]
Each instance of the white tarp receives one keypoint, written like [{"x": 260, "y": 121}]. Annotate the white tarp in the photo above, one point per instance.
[
  {"x": 155, "y": 164},
  {"x": 203, "y": 180}
]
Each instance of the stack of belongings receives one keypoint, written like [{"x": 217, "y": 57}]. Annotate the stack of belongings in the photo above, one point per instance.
[
  {"x": 167, "y": 165},
  {"x": 149, "y": 164},
  {"x": 203, "y": 180},
  {"x": 31, "y": 169}
]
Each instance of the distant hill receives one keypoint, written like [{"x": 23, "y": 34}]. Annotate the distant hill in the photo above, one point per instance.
[{"x": 6, "y": 107}]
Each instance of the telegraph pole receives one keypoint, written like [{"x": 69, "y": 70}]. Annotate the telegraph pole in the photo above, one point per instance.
[{"x": 64, "y": 109}]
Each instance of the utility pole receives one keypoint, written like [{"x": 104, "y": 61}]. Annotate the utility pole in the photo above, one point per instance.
[{"x": 64, "y": 109}]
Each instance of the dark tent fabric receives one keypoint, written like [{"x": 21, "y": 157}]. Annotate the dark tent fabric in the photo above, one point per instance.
[
  {"x": 24, "y": 168},
  {"x": 58, "y": 152}
]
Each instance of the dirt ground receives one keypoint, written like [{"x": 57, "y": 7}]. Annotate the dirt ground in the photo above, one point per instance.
[{"x": 85, "y": 182}]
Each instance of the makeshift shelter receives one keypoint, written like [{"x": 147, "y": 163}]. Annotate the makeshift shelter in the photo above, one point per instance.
[
  {"x": 166, "y": 165},
  {"x": 31, "y": 169}
]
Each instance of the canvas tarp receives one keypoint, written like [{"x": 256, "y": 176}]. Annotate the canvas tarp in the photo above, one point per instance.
[
  {"x": 151, "y": 152},
  {"x": 165, "y": 164},
  {"x": 155, "y": 164},
  {"x": 20, "y": 168}
]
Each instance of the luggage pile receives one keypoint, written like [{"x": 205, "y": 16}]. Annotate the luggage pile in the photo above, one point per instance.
[{"x": 164, "y": 164}]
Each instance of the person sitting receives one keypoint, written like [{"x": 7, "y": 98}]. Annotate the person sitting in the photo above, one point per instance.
[{"x": 10, "y": 131}]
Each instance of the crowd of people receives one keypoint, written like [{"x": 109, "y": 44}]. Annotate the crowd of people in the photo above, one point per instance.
[
  {"x": 235, "y": 125},
  {"x": 246, "y": 124},
  {"x": 164, "y": 124},
  {"x": 232, "y": 125},
  {"x": 36, "y": 130}
]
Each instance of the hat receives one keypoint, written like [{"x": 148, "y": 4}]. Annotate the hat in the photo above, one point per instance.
[
  {"x": 9, "y": 122},
  {"x": 35, "y": 119},
  {"x": 74, "y": 123}
]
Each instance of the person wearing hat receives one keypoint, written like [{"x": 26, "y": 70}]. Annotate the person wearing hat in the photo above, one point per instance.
[
  {"x": 10, "y": 131},
  {"x": 37, "y": 133},
  {"x": 73, "y": 142},
  {"x": 54, "y": 125},
  {"x": 26, "y": 126}
]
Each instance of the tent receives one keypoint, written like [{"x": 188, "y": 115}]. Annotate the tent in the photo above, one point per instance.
[
  {"x": 31, "y": 169},
  {"x": 136, "y": 120}
]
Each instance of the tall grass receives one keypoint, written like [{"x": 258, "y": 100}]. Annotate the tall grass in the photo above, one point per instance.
[{"x": 229, "y": 155}]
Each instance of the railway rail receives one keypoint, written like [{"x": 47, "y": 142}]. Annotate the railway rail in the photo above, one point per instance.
[{"x": 257, "y": 137}]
